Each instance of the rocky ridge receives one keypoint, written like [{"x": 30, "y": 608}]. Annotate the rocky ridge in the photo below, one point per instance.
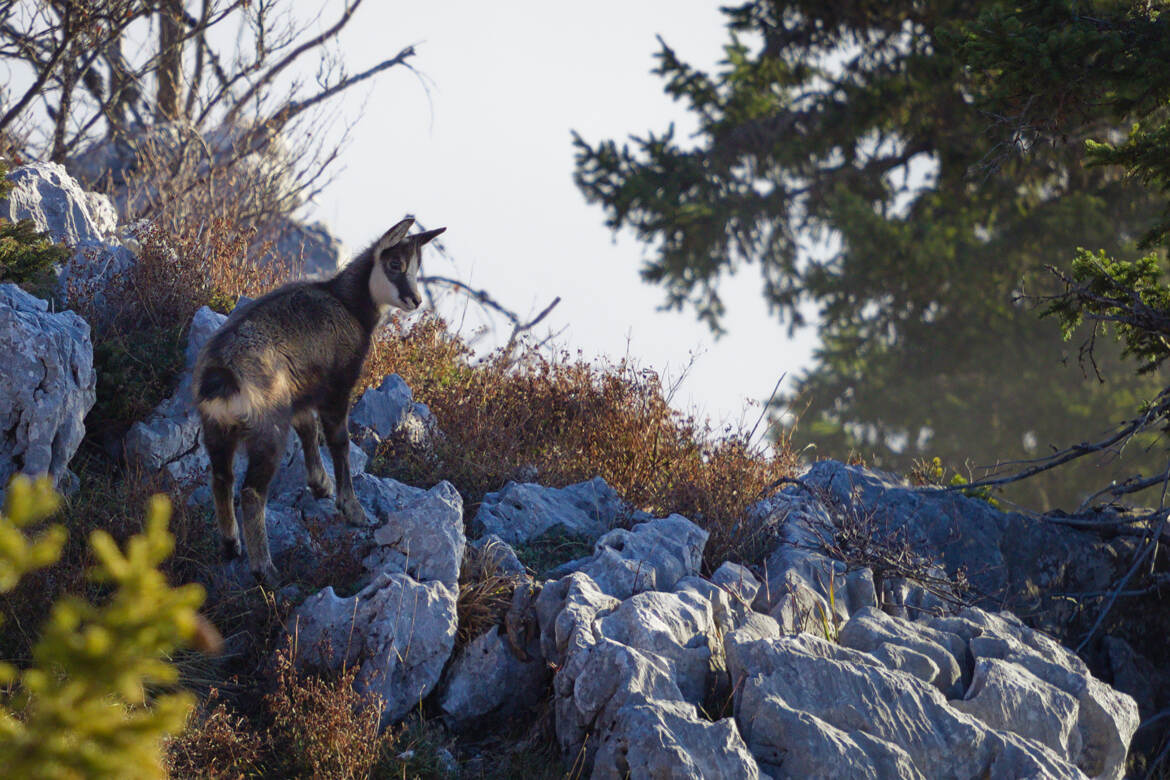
[{"x": 815, "y": 664}]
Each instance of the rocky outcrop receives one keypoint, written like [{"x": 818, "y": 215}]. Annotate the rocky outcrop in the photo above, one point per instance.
[
  {"x": 812, "y": 671},
  {"x": 963, "y": 694},
  {"x": 47, "y": 386},
  {"x": 1007, "y": 559},
  {"x": 389, "y": 412},
  {"x": 522, "y": 511},
  {"x": 399, "y": 630},
  {"x": 85, "y": 222}
]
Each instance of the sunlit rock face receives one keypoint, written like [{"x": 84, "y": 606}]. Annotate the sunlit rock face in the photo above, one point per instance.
[{"x": 47, "y": 385}]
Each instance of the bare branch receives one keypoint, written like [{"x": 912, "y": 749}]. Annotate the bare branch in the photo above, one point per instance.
[
  {"x": 1150, "y": 545},
  {"x": 43, "y": 75},
  {"x": 292, "y": 108},
  {"x": 275, "y": 70},
  {"x": 484, "y": 298}
]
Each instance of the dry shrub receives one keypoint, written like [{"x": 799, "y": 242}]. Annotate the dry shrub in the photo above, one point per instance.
[
  {"x": 199, "y": 262},
  {"x": 309, "y": 726},
  {"x": 322, "y": 727},
  {"x": 217, "y": 743},
  {"x": 571, "y": 420}
]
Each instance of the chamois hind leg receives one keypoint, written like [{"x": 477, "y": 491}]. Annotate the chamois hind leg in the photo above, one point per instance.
[
  {"x": 220, "y": 443},
  {"x": 305, "y": 424},
  {"x": 265, "y": 448},
  {"x": 334, "y": 419}
]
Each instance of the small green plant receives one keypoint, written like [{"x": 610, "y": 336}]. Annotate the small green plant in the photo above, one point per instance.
[
  {"x": 829, "y": 619},
  {"x": 549, "y": 550},
  {"x": 27, "y": 256},
  {"x": 94, "y": 702},
  {"x": 932, "y": 472}
]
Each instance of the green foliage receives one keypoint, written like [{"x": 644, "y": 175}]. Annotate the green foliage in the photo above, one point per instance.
[
  {"x": 86, "y": 705},
  {"x": 27, "y": 256},
  {"x": 1131, "y": 296},
  {"x": 869, "y": 160},
  {"x": 933, "y": 472},
  {"x": 135, "y": 372}
]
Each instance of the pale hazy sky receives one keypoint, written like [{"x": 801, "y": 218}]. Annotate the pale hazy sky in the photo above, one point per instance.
[{"x": 485, "y": 149}]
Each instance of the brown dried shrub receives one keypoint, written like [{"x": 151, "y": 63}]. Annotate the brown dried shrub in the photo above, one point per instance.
[
  {"x": 570, "y": 420},
  {"x": 321, "y": 726},
  {"x": 217, "y": 743}
]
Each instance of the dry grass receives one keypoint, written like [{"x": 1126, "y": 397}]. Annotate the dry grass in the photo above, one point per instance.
[
  {"x": 308, "y": 726},
  {"x": 217, "y": 743},
  {"x": 484, "y": 597},
  {"x": 571, "y": 420}
]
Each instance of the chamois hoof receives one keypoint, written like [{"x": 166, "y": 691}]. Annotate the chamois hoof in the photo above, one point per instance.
[
  {"x": 353, "y": 513},
  {"x": 321, "y": 489},
  {"x": 267, "y": 577},
  {"x": 231, "y": 549}
]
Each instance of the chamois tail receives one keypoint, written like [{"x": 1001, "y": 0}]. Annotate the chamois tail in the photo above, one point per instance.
[{"x": 218, "y": 382}]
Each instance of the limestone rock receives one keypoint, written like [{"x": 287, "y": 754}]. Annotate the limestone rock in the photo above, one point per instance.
[
  {"x": 397, "y": 631},
  {"x": 424, "y": 538},
  {"x": 47, "y": 385},
  {"x": 85, "y": 222},
  {"x": 389, "y": 411},
  {"x": 487, "y": 681},
  {"x": 653, "y": 555},
  {"x": 807, "y": 709},
  {"x": 523, "y": 511}
]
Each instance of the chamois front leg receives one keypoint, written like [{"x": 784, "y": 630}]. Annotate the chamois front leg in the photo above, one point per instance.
[
  {"x": 305, "y": 424},
  {"x": 335, "y": 421}
]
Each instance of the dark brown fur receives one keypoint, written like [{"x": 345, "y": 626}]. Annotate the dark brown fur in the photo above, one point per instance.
[{"x": 287, "y": 359}]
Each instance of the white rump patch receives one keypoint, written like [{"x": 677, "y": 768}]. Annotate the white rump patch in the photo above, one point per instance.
[
  {"x": 249, "y": 404},
  {"x": 235, "y": 410}
]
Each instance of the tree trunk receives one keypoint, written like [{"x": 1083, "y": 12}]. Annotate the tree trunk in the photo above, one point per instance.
[{"x": 170, "y": 59}]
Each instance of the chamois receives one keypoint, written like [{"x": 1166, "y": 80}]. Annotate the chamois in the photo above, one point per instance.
[{"x": 288, "y": 358}]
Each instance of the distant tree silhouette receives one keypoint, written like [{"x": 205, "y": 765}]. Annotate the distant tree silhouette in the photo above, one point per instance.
[{"x": 854, "y": 156}]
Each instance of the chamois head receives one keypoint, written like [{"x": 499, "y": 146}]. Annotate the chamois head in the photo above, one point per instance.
[{"x": 397, "y": 256}]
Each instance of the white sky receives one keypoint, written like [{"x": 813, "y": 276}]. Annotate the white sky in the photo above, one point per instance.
[{"x": 485, "y": 149}]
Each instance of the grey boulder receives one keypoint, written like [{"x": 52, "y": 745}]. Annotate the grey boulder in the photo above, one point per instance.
[
  {"x": 85, "y": 222},
  {"x": 47, "y": 385},
  {"x": 522, "y": 511},
  {"x": 397, "y": 632},
  {"x": 487, "y": 681}
]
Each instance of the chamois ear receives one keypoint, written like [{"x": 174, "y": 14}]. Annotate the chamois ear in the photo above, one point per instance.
[
  {"x": 423, "y": 238},
  {"x": 394, "y": 235}
]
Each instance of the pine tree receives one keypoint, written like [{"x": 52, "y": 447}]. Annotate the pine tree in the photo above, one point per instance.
[{"x": 854, "y": 155}]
